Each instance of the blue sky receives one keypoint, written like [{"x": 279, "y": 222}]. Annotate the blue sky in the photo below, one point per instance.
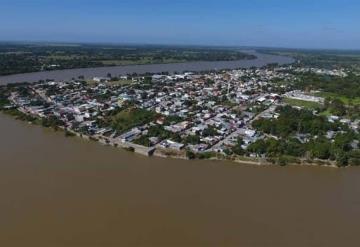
[{"x": 275, "y": 23}]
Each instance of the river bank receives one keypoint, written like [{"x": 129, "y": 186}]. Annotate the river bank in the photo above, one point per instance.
[
  {"x": 260, "y": 61},
  {"x": 167, "y": 153}
]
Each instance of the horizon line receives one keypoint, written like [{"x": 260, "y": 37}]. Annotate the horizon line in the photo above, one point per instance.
[{"x": 172, "y": 44}]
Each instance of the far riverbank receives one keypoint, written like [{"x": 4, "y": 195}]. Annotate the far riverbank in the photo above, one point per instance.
[{"x": 260, "y": 61}]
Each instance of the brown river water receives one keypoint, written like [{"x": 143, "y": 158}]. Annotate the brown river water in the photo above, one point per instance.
[{"x": 58, "y": 191}]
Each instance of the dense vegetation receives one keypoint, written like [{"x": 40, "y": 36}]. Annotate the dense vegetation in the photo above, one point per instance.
[
  {"x": 22, "y": 58},
  {"x": 4, "y": 94},
  {"x": 293, "y": 124},
  {"x": 342, "y": 94},
  {"x": 320, "y": 58},
  {"x": 131, "y": 117},
  {"x": 348, "y": 86},
  {"x": 292, "y": 121},
  {"x": 284, "y": 150}
]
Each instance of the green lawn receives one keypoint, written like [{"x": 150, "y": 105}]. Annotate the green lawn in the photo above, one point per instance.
[
  {"x": 325, "y": 113},
  {"x": 63, "y": 57},
  {"x": 344, "y": 99},
  {"x": 132, "y": 117},
  {"x": 143, "y": 60},
  {"x": 302, "y": 103}
]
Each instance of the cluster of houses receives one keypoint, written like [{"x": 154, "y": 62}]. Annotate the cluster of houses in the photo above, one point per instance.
[
  {"x": 216, "y": 107},
  {"x": 331, "y": 72}
]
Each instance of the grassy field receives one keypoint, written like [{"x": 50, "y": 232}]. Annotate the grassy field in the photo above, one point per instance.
[
  {"x": 302, "y": 103},
  {"x": 132, "y": 117},
  {"x": 62, "y": 57},
  {"x": 344, "y": 99},
  {"x": 144, "y": 60},
  {"x": 325, "y": 113}
]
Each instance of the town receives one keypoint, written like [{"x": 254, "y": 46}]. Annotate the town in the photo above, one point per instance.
[{"x": 230, "y": 114}]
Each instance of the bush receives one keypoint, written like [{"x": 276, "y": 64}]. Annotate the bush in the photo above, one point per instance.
[
  {"x": 69, "y": 134},
  {"x": 190, "y": 155}
]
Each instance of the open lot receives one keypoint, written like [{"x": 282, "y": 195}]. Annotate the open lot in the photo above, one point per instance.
[{"x": 302, "y": 103}]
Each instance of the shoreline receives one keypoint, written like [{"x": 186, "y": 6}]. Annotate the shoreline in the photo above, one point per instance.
[
  {"x": 198, "y": 66},
  {"x": 161, "y": 153},
  {"x": 131, "y": 64},
  {"x": 169, "y": 153}
]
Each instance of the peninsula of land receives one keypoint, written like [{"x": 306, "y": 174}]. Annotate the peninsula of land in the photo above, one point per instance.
[{"x": 271, "y": 115}]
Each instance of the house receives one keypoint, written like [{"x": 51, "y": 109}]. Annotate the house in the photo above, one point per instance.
[
  {"x": 161, "y": 120},
  {"x": 100, "y": 79},
  {"x": 168, "y": 144},
  {"x": 247, "y": 132},
  {"x": 130, "y": 135}
]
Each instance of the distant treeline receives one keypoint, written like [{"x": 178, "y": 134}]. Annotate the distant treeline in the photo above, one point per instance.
[
  {"x": 320, "y": 58},
  {"x": 22, "y": 58}
]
